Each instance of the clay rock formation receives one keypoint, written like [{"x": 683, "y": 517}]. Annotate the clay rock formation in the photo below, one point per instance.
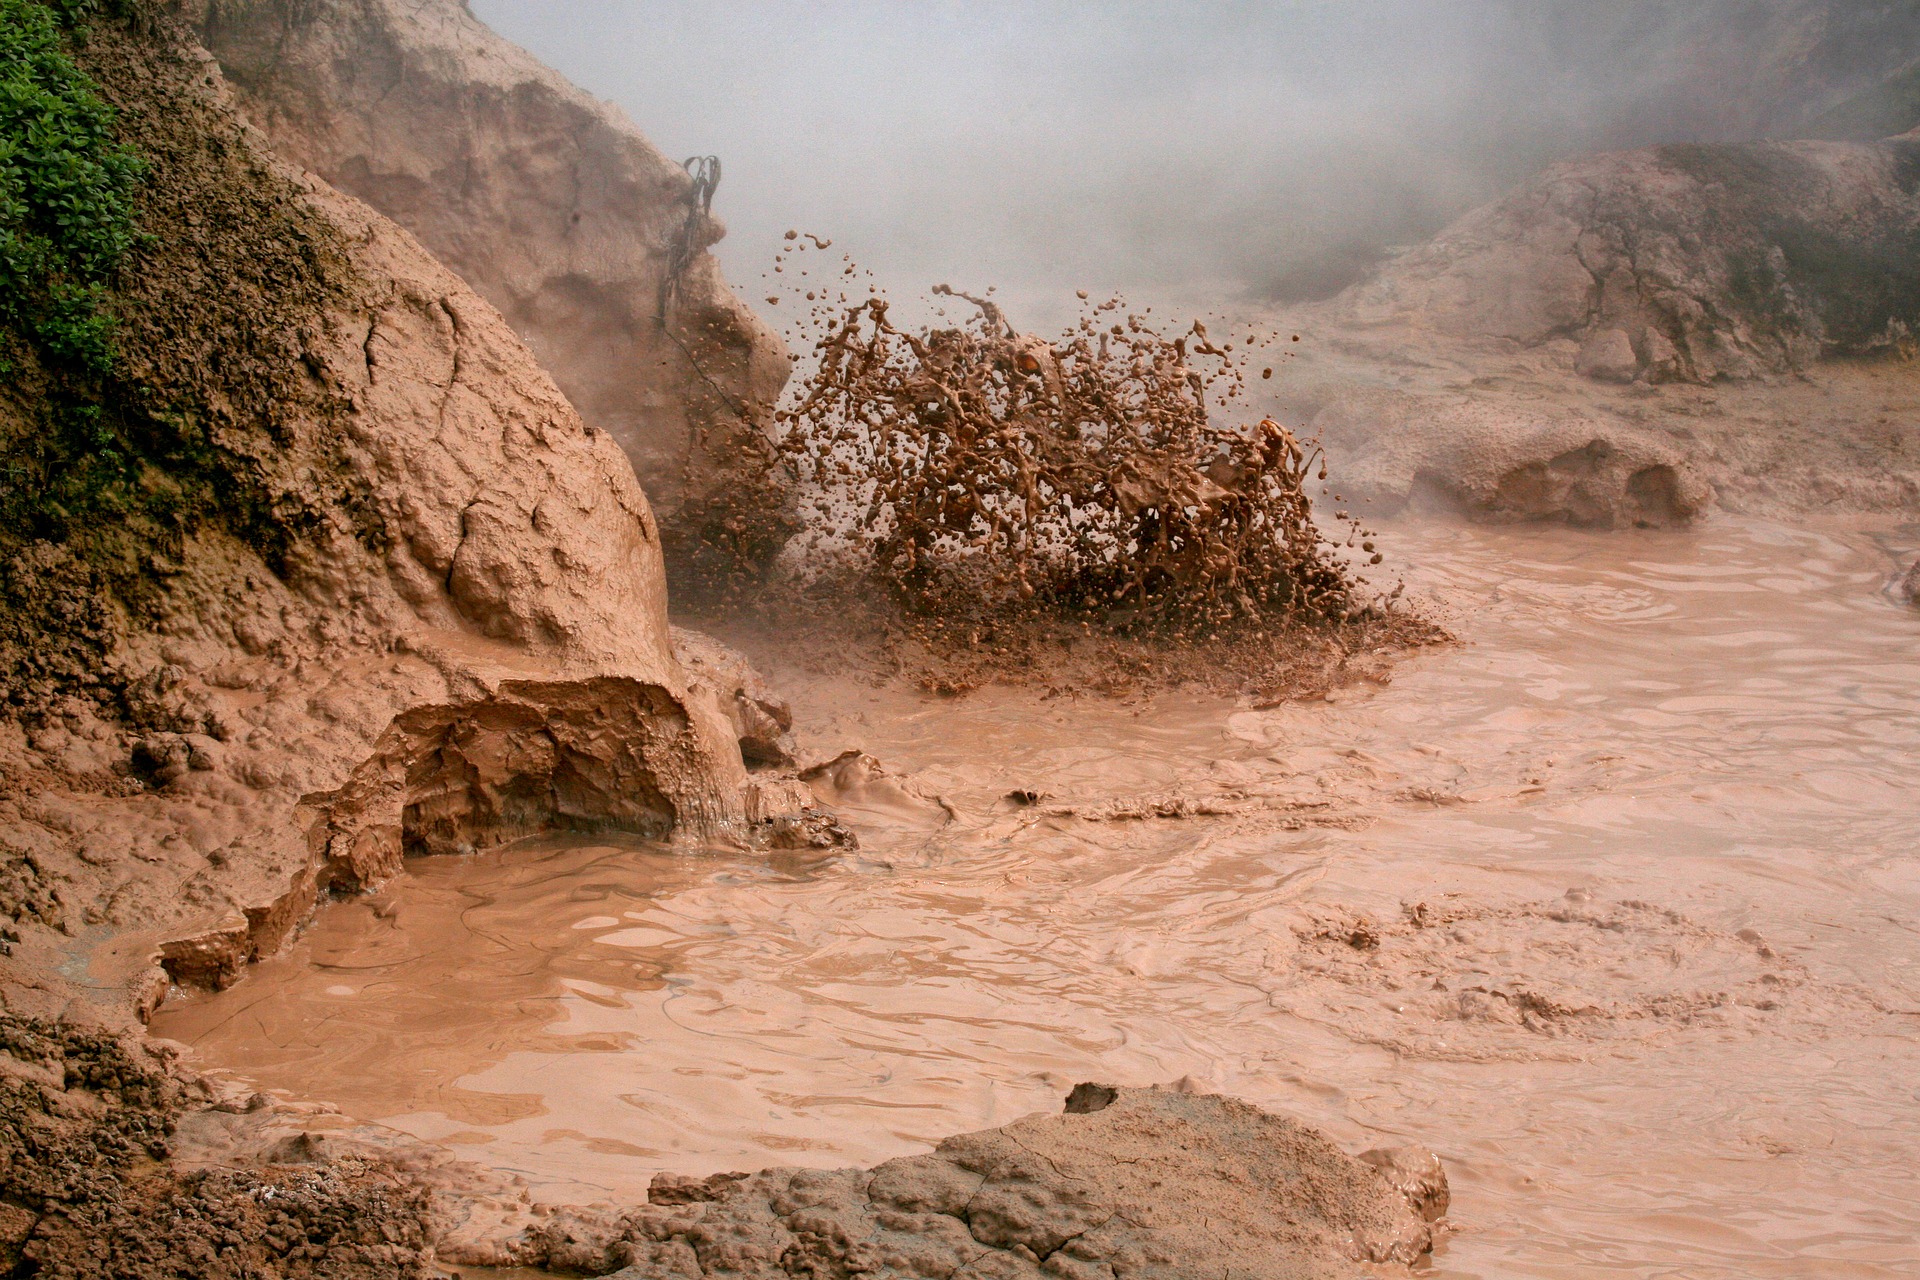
[
  {"x": 1675, "y": 263},
  {"x": 1136, "y": 1182},
  {"x": 460, "y": 637},
  {"x": 1492, "y": 459},
  {"x": 1632, "y": 338},
  {"x": 549, "y": 203},
  {"x": 762, "y": 719}
]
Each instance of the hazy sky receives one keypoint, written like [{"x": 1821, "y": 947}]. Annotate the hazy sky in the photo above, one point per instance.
[{"x": 1049, "y": 145}]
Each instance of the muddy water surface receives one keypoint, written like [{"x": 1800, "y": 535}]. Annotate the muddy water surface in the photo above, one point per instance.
[{"x": 1616, "y": 906}]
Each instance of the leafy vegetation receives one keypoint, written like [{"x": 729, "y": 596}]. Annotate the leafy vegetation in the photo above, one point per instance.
[
  {"x": 66, "y": 190},
  {"x": 67, "y": 218},
  {"x": 155, "y": 280}
]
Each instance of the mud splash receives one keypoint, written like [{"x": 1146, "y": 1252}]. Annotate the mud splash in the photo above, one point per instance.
[
  {"x": 1614, "y": 906},
  {"x": 977, "y": 468},
  {"x": 979, "y": 500}
]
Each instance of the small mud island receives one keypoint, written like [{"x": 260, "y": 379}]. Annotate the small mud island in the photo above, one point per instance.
[{"x": 1080, "y": 849}]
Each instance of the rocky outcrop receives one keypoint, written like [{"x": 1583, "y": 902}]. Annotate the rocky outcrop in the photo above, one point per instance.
[
  {"x": 1633, "y": 338},
  {"x": 453, "y": 630},
  {"x": 1493, "y": 459},
  {"x": 1154, "y": 1183},
  {"x": 1678, "y": 263},
  {"x": 761, "y": 718},
  {"x": 546, "y": 201}
]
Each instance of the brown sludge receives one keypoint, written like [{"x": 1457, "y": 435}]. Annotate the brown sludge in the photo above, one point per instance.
[
  {"x": 1072, "y": 505},
  {"x": 1612, "y": 907}
]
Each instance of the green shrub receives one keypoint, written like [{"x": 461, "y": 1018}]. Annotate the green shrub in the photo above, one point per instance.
[
  {"x": 66, "y": 190},
  {"x": 67, "y": 218}
]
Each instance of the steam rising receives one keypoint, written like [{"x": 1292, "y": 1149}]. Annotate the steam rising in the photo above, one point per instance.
[{"x": 1206, "y": 148}]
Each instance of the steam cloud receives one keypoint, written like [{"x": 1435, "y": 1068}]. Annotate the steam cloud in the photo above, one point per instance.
[{"x": 1205, "y": 148}]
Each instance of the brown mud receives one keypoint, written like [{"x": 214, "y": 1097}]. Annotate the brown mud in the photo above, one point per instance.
[
  {"x": 89, "y": 1122},
  {"x": 1613, "y": 906},
  {"x": 968, "y": 502}
]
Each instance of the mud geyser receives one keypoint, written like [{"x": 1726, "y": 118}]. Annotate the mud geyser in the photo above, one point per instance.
[{"x": 979, "y": 473}]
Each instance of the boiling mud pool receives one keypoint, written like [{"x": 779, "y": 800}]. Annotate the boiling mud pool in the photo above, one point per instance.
[{"x": 1616, "y": 905}]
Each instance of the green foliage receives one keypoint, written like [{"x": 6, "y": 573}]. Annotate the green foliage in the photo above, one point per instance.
[
  {"x": 66, "y": 190},
  {"x": 162, "y": 289},
  {"x": 67, "y": 218}
]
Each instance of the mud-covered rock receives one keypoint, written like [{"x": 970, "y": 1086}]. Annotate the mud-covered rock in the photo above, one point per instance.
[
  {"x": 1607, "y": 355},
  {"x": 1690, "y": 262},
  {"x": 762, "y": 718},
  {"x": 1498, "y": 459},
  {"x": 86, "y": 1121},
  {"x": 1155, "y": 1183}
]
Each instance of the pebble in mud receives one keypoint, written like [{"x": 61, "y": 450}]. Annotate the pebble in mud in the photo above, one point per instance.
[{"x": 1471, "y": 981}]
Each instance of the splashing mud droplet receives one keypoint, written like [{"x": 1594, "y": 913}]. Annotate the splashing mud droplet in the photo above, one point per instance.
[{"x": 979, "y": 479}]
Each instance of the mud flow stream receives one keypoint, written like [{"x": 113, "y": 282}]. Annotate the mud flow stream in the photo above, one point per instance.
[{"x": 1616, "y": 905}]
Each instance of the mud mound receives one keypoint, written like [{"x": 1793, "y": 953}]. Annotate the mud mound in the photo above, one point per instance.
[
  {"x": 1679, "y": 263},
  {"x": 1135, "y": 1182},
  {"x": 548, "y": 202},
  {"x": 1555, "y": 979}
]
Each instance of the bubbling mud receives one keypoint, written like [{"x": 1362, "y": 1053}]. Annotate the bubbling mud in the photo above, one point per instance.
[
  {"x": 1614, "y": 906},
  {"x": 979, "y": 468},
  {"x": 997, "y": 493}
]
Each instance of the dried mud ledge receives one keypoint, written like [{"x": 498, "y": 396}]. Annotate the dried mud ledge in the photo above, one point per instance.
[{"x": 533, "y": 757}]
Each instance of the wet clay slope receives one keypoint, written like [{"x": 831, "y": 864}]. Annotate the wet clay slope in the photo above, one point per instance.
[
  {"x": 547, "y": 201},
  {"x": 1153, "y": 1183},
  {"x": 1630, "y": 336},
  {"x": 457, "y": 633}
]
